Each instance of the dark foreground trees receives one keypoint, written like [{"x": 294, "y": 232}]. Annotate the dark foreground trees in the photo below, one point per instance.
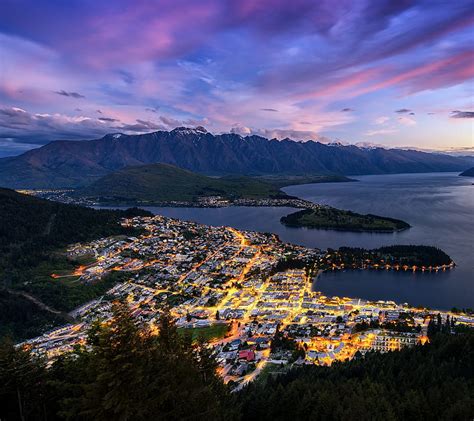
[
  {"x": 126, "y": 373},
  {"x": 431, "y": 382}
]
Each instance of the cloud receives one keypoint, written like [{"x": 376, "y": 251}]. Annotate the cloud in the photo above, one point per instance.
[
  {"x": 43, "y": 128},
  {"x": 10, "y": 146},
  {"x": 170, "y": 122},
  {"x": 241, "y": 130},
  {"x": 403, "y": 111},
  {"x": 293, "y": 134},
  {"x": 301, "y": 58},
  {"x": 108, "y": 119},
  {"x": 279, "y": 134},
  {"x": 462, "y": 114},
  {"x": 381, "y": 120},
  {"x": 380, "y": 132},
  {"x": 36, "y": 128},
  {"x": 69, "y": 94},
  {"x": 142, "y": 126},
  {"x": 407, "y": 121}
]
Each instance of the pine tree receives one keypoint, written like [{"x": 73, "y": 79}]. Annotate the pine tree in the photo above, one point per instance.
[{"x": 22, "y": 383}]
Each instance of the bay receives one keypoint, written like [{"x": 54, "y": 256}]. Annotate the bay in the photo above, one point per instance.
[{"x": 439, "y": 206}]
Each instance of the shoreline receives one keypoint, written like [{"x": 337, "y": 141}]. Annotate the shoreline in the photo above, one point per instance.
[{"x": 401, "y": 269}]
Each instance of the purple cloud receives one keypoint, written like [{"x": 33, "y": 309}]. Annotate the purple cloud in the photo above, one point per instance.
[
  {"x": 109, "y": 119},
  {"x": 462, "y": 114},
  {"x": 70, "y": 94},
  {"x": 272, "y": 65}
]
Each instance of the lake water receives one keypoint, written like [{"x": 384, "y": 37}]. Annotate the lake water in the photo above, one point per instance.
[{"x": 439, "y": 206}]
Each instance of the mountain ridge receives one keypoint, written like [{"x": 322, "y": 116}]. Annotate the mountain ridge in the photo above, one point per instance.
[{"x": 78, "y": 163}]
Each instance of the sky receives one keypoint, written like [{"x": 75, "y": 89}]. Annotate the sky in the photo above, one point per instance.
[{"x": 396, "y": 73}]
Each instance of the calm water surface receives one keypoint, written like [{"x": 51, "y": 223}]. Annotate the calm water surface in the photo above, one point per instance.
[{"x": 439, "y": 206}]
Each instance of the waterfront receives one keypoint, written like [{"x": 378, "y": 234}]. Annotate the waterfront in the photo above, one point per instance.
[{"x": 438, "y": 206}]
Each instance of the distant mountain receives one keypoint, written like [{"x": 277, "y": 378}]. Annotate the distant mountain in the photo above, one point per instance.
[
  {"x": 163, "y": 182},
  {"x": 79, "y": 163},
  {"x": 468, "y": 173}
]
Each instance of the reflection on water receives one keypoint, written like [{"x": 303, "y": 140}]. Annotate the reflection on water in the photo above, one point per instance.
[{"x": 440, "y": 207}]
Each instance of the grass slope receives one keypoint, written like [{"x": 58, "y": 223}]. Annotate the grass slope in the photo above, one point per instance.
[{"x": 163, "y": 182}]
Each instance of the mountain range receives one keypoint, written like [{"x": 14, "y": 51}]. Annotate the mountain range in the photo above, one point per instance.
[{"x": 62, "y": 164}]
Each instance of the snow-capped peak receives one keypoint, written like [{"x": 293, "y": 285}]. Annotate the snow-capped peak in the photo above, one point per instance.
[
  {"x": 188, "y": 130},
  {"x": 369, "y": 145}
]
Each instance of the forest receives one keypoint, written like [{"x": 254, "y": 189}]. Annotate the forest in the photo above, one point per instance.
[
  {"x": 398, "y": 256},
  {"x": 33, "y": 234},
  {"x": 325, "y": 217},
  {"x": 127, "y": 373}
]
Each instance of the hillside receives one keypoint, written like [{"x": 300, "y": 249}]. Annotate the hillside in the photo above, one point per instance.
[
  {"x": 79, "y": 163},
  {"x": 468, "y": 173},
  {"x": 163, "y": 182},
  {"x": 32, "y": 233}
]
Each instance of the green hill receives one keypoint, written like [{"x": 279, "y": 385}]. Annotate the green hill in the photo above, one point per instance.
[{"x": 163, "y": 182}]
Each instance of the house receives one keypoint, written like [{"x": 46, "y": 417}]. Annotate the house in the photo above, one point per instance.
[
  {"x": 247, "y": 354},
  {"x": 235, "y": 344},
  {"x": 263, "y": 342}
]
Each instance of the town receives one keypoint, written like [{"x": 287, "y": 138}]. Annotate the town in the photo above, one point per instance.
[{"x": 253, "y": 297}]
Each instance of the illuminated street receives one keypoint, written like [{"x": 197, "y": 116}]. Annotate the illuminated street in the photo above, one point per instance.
[{"x": 256, "y": 288}]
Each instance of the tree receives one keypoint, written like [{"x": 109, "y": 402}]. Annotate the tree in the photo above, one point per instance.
[
  {"x": 22, "y": 383},
  {"x": 130, "y": 374},
  {"x": 115, "y": 371}
]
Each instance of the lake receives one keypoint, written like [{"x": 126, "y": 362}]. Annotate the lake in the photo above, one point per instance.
[{"x": 439, "y": 206}]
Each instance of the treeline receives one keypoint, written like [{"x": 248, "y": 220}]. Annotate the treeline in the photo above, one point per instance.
[
  {"x": 127, "y": 373},
  {"x": 398, "y": 255},
  {"x": 289, "y": 263},
  {"x": 30, "y": 227},
  {"x": 431, "y": 382}
]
